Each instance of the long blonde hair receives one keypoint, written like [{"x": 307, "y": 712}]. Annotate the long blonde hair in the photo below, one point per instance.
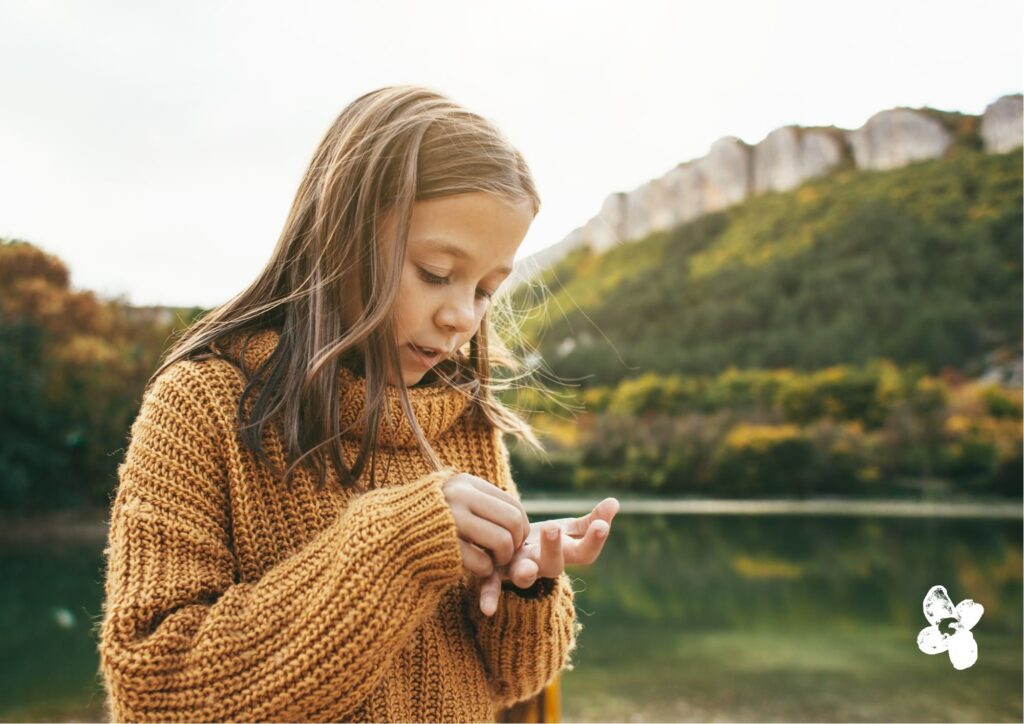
[{"x": 386, "y": 150}]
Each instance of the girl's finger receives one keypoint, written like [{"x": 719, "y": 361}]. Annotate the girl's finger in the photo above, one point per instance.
[
  {"x": 504, "y": 515},
  {"x": 475, "y": 560},
  {"x": 578, "y": 527},
  {"x": 607, "y": 509},
  {"x": 589, "y": 548},
  {"x": 551, "y": 560},
  {"x": 523, "y": 572},
  {"x": 492, "y": 538},
  {"x": 573, "y": 527},
  {"x": 513, "y": 509},
  {"x": 490, "y": 589}
]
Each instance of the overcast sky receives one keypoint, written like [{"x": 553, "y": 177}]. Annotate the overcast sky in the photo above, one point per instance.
[{"x": 156, "y": 147}]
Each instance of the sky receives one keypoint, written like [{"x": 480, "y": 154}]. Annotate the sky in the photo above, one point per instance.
[{"x": 156, "y": 147}]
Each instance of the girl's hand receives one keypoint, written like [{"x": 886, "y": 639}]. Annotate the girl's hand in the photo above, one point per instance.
[
  {"x": 488, "y": 520},
  {"x": 550, "y": 546}
]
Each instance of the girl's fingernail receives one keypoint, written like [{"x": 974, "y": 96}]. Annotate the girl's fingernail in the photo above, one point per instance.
[{"x": 551, "y": 534}]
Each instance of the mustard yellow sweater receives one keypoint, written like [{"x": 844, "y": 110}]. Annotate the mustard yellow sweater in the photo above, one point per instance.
[{"x": 231, "y": 597}]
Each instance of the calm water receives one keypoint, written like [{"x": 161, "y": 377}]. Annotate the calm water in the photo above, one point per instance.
[{"x": 699, "y": 618}]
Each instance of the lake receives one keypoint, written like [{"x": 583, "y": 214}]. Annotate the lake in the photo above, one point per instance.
[{"x": 703, "y": 617}]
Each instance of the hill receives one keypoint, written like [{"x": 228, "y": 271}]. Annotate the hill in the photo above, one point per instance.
[{"x": 919, "y": 264}]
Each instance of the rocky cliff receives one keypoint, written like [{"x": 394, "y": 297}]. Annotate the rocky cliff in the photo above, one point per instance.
[{"x": 733, "y": 170}]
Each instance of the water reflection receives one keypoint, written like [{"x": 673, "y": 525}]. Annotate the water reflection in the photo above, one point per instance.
[
  {"x": 793, "y": 618},
  {"x": 51, "y": 602},
  {"x": 724, "y": 571}
]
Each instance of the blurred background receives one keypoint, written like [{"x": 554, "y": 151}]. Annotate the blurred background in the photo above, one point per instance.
[{"x": 776, "y": 284}]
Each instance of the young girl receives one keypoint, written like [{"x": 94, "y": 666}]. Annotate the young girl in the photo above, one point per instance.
[{"x": 315, "y": 519}]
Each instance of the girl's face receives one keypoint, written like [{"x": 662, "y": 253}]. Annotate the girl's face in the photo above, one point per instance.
[{"x": 460, "y": 249}]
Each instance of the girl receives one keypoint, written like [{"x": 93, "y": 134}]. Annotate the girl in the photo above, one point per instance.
[{"x": 315, "y": 519}]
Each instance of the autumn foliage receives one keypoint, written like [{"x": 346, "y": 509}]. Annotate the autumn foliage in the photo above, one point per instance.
[
  {"x": 857, "y": 430},
  {"x": 72, "y": 369}
]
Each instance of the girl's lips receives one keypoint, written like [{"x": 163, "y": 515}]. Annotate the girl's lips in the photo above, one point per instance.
[{"x": 426, "y": 361}]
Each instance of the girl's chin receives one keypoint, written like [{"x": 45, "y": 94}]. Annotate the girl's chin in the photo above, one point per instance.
[{"x": 409, "y": 378}]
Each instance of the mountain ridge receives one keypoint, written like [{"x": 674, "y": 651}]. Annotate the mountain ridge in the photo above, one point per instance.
[{"x": 734, "y": 171}]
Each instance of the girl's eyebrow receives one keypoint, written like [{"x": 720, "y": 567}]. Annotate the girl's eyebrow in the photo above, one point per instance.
[{"x": 458, "y": 252}]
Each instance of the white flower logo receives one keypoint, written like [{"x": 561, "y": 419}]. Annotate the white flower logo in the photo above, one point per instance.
[{"x": 963, "y": 649}]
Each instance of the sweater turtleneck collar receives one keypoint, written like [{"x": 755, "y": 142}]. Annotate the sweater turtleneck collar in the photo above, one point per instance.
[{"x": 437, "y": 407}]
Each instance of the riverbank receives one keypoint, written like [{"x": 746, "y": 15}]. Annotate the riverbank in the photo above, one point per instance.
[
  {"x": 91, "y": 523},
  {"x": 73, "y": 524},
  {"x": 1006, "y": 510}
]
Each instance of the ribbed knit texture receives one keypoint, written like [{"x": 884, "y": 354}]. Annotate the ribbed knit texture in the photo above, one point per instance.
[{"x": 230, "y": 597}]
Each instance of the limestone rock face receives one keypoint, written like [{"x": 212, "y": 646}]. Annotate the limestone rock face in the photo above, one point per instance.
[
  {"x": 726, "y": 171},
  {"x": 646, "y": 206},
  {"x": 732, "y": 171},
  {"x": 1001, "y": 126},
  {"x": 894, "y": 138},
  {"x": 790, "y": 155},
  {"x": 685, "y": 187},
  {"x": 534, "y": 264},
  {"x": 720, "y": 179},
  {"x": 606, "y": 229}
]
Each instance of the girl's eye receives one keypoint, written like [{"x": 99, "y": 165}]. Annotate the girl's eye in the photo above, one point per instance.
[
  {"x": 431, "y": 278},
  {"x": 434, "y": 279}
]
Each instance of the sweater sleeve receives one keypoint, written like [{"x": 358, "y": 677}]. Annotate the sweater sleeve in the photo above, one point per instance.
[
  {"x": 181, "y": 640},
  {"x": 530, "y": 637}
]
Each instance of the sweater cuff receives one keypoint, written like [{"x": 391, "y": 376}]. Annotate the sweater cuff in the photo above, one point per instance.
[
  {"x": 528, "y": 609},
  {"x": 527, "y": 640}
]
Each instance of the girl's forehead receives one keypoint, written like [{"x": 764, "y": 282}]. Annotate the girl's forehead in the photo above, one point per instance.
[
  {"x": 474, "y": 227},
  {"x": 476, "y": 210}
]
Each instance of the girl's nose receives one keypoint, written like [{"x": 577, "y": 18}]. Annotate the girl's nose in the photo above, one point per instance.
[{"x": 458, "y": 313}]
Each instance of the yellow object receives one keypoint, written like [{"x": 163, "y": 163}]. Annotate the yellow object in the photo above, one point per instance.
[
  {"x": 545, "y": 707},
  {"x": 231, "y": 597}
]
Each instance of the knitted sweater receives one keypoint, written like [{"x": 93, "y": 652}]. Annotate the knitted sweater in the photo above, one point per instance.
[{"x": 232, "y": 597}]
